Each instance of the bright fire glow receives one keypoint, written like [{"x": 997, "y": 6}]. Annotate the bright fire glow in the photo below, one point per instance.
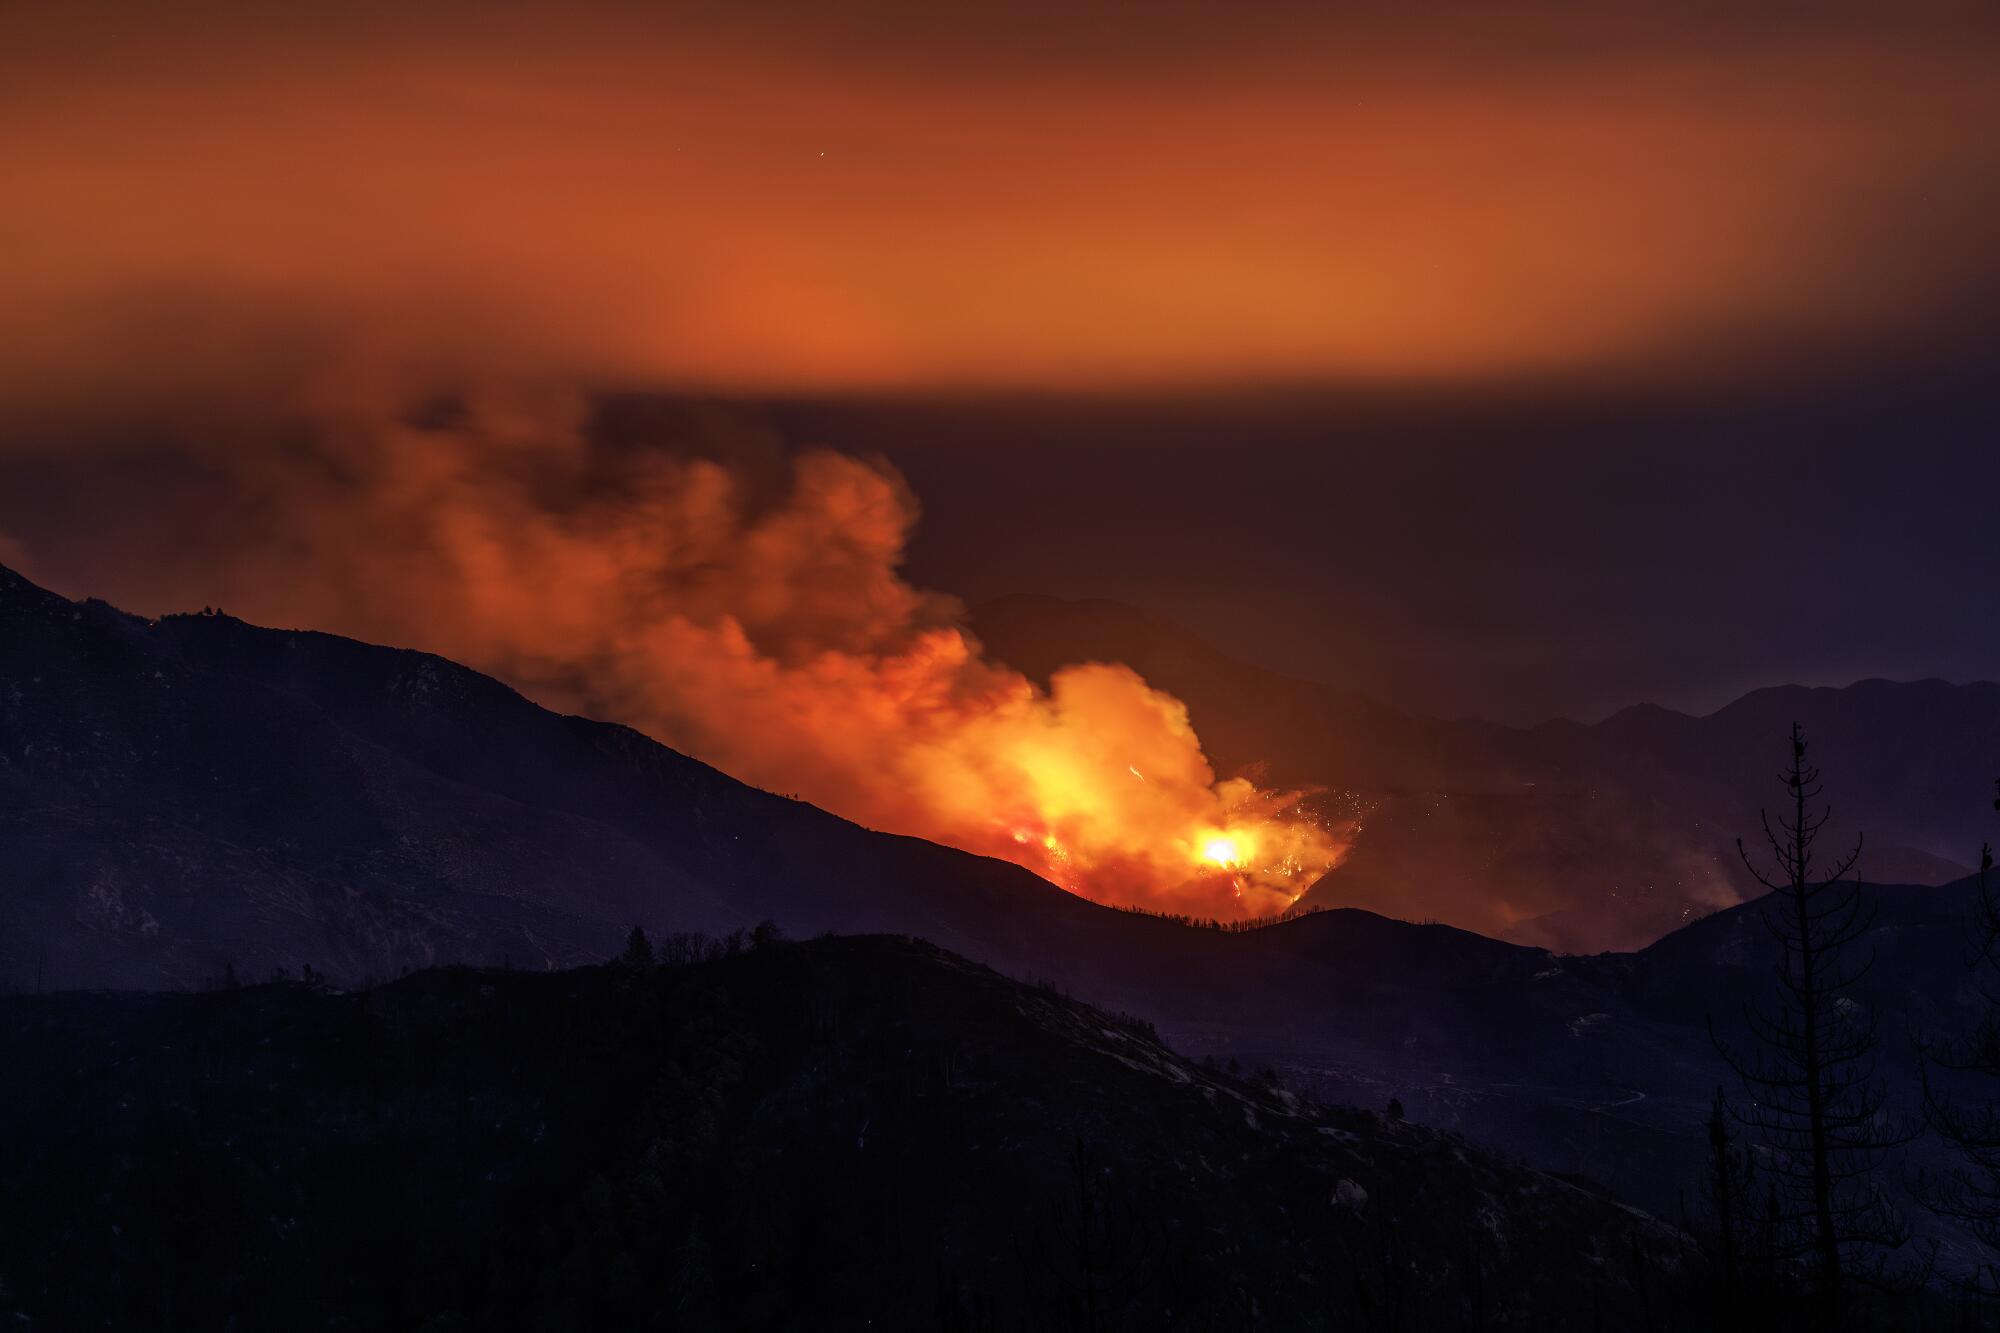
[{"x": 1221, "y": 851}]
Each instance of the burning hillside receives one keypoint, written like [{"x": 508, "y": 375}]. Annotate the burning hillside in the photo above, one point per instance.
[{"x": 748, "y": 608}]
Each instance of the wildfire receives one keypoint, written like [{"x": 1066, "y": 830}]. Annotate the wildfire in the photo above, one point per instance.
[
  {"x": 766, "y": 630},
  {"x": 1116, "y": 856}
]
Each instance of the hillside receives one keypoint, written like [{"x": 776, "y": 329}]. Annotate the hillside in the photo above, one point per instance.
[
  {"x": 1576, "y": 838},
  {"x": 181, "y": 795},
  {"x": 905, "y": 1139}
]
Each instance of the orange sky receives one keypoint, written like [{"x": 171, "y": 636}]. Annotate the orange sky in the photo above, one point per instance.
[{"x": 1047, "y": 196}]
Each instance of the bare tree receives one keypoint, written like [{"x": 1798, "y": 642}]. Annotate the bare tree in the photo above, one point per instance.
[
  {"x": 1733, "y": 1234},
  {"x": 1813, "y": 1102},
  {"x": 1970, "y": 1192},
  {"x": 1724, "y": 1192}
]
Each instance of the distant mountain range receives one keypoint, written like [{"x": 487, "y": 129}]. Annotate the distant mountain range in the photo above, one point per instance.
[
  {"x": 192, "y": 798},
  {"x": 1576, "y": 838}
]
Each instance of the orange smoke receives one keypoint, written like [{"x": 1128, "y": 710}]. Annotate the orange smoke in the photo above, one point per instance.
[
  {"x": 943, "y": 197},
  {"x": 755, "y": 617}
]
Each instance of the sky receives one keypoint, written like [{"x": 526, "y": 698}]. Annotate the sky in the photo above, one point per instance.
[
  {"x": 1518, "y": 364},
  {"x": 1511, "y": 558}
]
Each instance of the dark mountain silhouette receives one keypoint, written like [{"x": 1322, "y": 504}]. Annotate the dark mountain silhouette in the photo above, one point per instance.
[
  {"x": 1599, "y": 1064},
  {"x": 181, "y": 794},
  {"x": 851, "y": 1133},
  {"x": 1573, "y": 837},
  {"x": 187, "y": 797}
]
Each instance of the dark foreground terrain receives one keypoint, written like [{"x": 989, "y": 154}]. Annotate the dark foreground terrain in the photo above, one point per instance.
[
  {"x": 848, "y": 1133},
  {"x": 189, "y": 798}
]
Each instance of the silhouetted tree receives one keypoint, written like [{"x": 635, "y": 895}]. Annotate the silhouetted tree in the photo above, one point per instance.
[
  {"x": 1809, "y": 1071},
  {"x": 683, "y": 948},
  {"x": 638, "y": 949},
  {"x": 1971, "y": 1190},
  {"x": 1734, "y": 1233},
  {"x": 1723, "y": 1191}
]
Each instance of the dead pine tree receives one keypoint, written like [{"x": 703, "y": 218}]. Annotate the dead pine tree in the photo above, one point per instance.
[
  {"x": 1970, "y": 1191},
  {"x": 1814, "y": 1105},
  {"x": 1733, "y": 1232},
  {"x": 1720, "y": 1234}
]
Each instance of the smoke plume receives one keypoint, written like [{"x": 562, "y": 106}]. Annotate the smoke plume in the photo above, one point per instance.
[{"x": 744, "y": 605}]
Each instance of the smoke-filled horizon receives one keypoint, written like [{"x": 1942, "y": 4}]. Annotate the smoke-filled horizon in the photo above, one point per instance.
[
  {"x": 1637, "y": 354},
  {"x": 779, "y": 197}
]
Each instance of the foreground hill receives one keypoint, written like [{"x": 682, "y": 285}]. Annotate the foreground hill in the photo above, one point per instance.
[
  {"x": 847, "y": 1133},
  {"x": 1577, "y": 838}
]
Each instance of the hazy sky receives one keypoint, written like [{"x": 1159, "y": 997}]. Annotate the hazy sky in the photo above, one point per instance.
[
  {"x": 1519, "y": 365},
  {"x": 902, "y": 194},
  {"x": 1513, "y": 557}
]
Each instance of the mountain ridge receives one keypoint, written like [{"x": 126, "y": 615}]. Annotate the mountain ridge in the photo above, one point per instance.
[{"x": 1574, "y": 836}]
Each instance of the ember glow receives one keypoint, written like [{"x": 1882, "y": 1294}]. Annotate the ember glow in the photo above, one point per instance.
[
  {"x": 751, "y": 613},
  {"x": 1221, "y": 851}
]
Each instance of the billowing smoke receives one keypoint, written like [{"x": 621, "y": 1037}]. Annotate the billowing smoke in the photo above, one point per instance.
[{"x": 746, "y": 606}]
